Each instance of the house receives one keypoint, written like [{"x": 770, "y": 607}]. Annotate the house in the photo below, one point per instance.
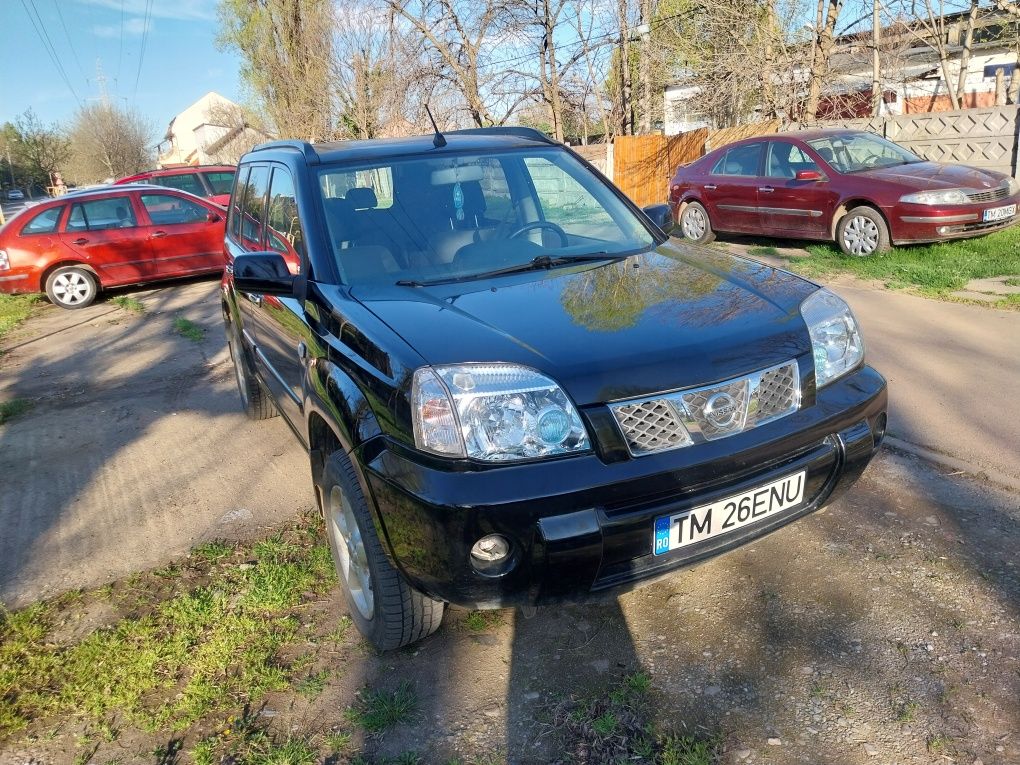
[
  {"x": 912, "y": 77},
  {"x": 213, "y": 130}
]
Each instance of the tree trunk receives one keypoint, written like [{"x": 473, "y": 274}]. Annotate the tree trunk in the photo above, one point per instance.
[
  {"x": 626, "y": 114},
  {"x": 876, "y": 61},
  {"x": 968, "y": 43},
  {"x": 824, "y": 43},
  {"x": 1000, "y": 88},
  {"x": 644, "y": 71}
]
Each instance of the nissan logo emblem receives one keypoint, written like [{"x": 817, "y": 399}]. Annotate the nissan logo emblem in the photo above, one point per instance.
[{"x": 721, "y": 410}]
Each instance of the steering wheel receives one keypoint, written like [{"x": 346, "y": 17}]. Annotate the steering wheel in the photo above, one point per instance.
[{"x": 564, "y": 242}]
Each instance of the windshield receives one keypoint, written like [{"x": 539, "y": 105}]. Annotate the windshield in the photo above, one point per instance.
[
  {"x": 853, "y": 152},
  {"x": 454, "y": 216}
]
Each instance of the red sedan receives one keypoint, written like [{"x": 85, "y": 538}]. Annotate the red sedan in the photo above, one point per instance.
[
  {"x": 74, "y": 246},
  {"x": 860, "y": 190}
]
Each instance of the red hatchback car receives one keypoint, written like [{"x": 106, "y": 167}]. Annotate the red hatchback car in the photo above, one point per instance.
[
  {"x": 856, "y": 188},
  {"x": 213, "y": 182},
  {"x": 73, "y": 246}
]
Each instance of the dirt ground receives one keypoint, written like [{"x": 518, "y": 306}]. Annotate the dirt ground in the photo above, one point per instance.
[{"x": 884, "y": 629}]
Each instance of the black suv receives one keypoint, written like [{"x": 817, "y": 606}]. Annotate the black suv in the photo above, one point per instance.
[{"x": 514, "y": 388}]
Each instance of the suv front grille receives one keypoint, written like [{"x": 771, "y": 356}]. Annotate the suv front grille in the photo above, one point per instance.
[
  {"x": 988, "y": 195},
  {"x": 686, "y": 417}
]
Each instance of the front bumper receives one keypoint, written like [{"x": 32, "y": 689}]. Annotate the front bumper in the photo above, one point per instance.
[
  {"x": 580, "y": 526},
  {"x": 916, "y": 224}
]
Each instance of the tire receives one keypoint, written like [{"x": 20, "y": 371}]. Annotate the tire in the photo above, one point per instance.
[
  {"x": 72, "y": 287},
  {"x": 387, "y": 610},
  {"x": 862, "y": 232},
  {"x": 255, "y": 402},
  {"x": 695, "y": 225}
]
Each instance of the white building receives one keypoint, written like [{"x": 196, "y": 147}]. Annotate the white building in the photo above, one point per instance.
[{"x": 210, "y": 131}]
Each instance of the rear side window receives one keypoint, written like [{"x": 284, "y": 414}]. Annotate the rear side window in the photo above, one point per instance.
[
  {"x": 236, "y": 199},
  {"x": 102, "y": 214},
  {"x": 169, "y": 210},
  {"x": 185, "y": 182},
  {"x": 284, "y": 234},
  {"x": 220, "y": 182},
  {"x": 254, "y": 207},
  {"x": 740, "y": 160},
  {"x": 44, "y": 222}
]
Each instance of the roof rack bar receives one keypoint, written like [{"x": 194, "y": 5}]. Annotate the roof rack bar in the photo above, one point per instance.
[
  {"x": 520, "y": 132},
  {"x": 311, "y": 157}
]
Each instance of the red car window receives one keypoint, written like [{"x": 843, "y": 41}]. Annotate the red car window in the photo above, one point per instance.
[
  {"x": 189, "y": 182},
  {"x": 44, "y": 222},
  {"x": 170, "y": 210},
  {"x": 220, "y": 181},
  {"x": 114, "y": 212}
]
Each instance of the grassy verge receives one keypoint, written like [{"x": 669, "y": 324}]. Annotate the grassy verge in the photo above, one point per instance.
[
  {"x": 11, "y": 409},
  {"x": 14, "y": 309},
  {"x": 935, "y": 270},
  {"x": 128, "y": 303},
  {"x": 189, "y": 329}
]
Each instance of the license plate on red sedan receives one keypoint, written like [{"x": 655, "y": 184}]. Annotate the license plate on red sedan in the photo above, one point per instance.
[
  {"x": 728, "y": 514},
  {"x": 999, "y": 213}
]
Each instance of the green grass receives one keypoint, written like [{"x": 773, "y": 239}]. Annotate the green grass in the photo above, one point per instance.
[
  {"x": 11, "y": 409},
  {"x": 763, "y": 252},
  {"x": 313, "y": 685},
  {"x": 191, "y": 646},
  {"x": 479, "y": 621},
  {"x": 128, "y": 303},
  {"x": 14, "y": 309},
  {"x": 934, "y": 270},
  {"x": 907, "y": 712},
  {"x": 189, "y": 329},
  {"x": 213, "y": 551},
  {"x": 380, "y": 710},
  {"x": 684, "y": 750},
  {"x": 1013, "y": 281}
]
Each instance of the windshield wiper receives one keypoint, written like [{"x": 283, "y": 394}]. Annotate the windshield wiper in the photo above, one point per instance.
[{"x": 536, "y": 263}]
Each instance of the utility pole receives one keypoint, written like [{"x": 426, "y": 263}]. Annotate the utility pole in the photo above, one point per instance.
[
  {"x": 876, "y": 62},
  {"x": 644, "y": 68}
]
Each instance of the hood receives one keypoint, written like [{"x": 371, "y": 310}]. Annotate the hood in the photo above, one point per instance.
[
  {"x": 922, "y": 176},
  {"x": 676, "y": 317}
]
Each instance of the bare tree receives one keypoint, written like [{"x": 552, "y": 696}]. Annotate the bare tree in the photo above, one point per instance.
[
  {"x": 35, "y": 149},
  {"x": 821, "y": 52},
  {"x": 241, "y": 128},
  {"x": 285, "y": 49},
  {"x": 108, "y": 142}
]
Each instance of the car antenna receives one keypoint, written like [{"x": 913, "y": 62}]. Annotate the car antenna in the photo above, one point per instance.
[{"x": 439, "y": 141}]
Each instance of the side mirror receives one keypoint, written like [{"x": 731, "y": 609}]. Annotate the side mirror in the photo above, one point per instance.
[
  {"x": 662, "y": 216},
  {"x": 263, "y": 272},
  {"x": 213, "y": 217},
  {"x": 810, "y": 175}
]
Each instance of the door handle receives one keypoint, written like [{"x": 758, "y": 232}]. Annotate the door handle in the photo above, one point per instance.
[
  {"x": 766, "y": 189},
  {"x": 80, "y": 240},
  {"x": 157, "y": 234},
  {"x": 710, "y": 186}
]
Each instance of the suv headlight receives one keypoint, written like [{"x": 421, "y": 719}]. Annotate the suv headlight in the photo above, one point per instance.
[
  {"x": 836, "y": 340},
  {"x": 493, "y": 412},
  {"x": 941, "y": 197}
]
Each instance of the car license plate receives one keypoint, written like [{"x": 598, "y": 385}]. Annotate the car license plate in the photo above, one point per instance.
[
  {"x": 726, "y": 515},
  {"x": 1000, "y": 213}
]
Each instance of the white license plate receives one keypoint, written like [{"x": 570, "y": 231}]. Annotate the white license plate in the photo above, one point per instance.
[
  {"x": 726, "y": 515},
  {"x": 999, "y": 213}
]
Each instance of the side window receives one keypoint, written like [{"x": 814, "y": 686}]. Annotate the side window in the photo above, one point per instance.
[
  {"x": 185, "y": 182},
  {"x": 785, "y": 160},
  {"x": 169, "y": 210},
  {"x": 220, "y": 181},
  {"x": 236, "y": 200},
  {"x": 740, "y": 160},
  {"x": 254, "y": 208},
  {"x": 283, "y": 226},
  {"x": 44, "y": 222},
  {"x": 566, "y": 202},
  {"x": 101, "y": 214}
]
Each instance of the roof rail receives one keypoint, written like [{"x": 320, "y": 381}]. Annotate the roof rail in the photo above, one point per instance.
[
  {"x": 311, "y": 157},
  {"x": 520, "y": 132}
]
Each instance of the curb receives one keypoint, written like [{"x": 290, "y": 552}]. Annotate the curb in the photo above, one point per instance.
[{"x": 991, "y": 475}]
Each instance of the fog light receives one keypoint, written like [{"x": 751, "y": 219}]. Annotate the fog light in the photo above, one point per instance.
[
  {"x": 490, "y": 549},
  {"x": 943, "y": 230}
]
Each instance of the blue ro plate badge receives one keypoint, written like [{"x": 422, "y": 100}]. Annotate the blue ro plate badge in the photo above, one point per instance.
[{"x": 728, "y": 514}]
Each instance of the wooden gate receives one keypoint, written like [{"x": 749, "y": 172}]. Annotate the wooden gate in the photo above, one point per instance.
[{"x": 644, "y": 164}]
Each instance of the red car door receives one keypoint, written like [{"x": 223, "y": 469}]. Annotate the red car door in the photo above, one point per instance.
[
  {"x": 183, "y": 236},
  {"x": 104, "y": 233},
  {"x": 792, "y": 207},
  {"x": 731, "y": 189}
]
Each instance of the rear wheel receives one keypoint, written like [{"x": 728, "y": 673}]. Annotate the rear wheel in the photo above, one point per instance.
[
  {"x": 862, "y": 232},
  {"x": 72, "y": 287},
  {"x": 384, "y": 607},
  {"x": 254, "y": 400},
  {"x": 695, "y": 224}
]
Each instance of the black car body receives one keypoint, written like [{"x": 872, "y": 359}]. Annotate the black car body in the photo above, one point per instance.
[{"x": 636, "y": 343}]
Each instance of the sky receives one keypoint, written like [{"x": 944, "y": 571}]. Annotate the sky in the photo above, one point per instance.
[{"x": 178, "y": 65}]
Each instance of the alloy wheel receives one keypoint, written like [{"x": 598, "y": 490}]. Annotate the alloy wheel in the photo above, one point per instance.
[
  {"x": 860, "y": 236},
  {"x": 351, "y": 556},
  {"x": 693, "y": 223},
  {"x": 72, "y": 288}
]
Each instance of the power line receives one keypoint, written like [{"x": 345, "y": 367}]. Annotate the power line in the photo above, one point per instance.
[
  {"x": 70, "y": 44},
  {"x": 44, "y": 38},
  {"x": 141, "y": 50},
  {"x": 120, "y": 47}
]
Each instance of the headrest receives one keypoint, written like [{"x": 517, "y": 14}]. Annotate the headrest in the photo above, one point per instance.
[{"x": 362, "y": 198}]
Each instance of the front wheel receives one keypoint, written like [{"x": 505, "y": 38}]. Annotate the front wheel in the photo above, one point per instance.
[
  {"x": 695, "y": 224},
  {"x": 862, "y": 232},
  {"x": 384, "y": 607}
]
